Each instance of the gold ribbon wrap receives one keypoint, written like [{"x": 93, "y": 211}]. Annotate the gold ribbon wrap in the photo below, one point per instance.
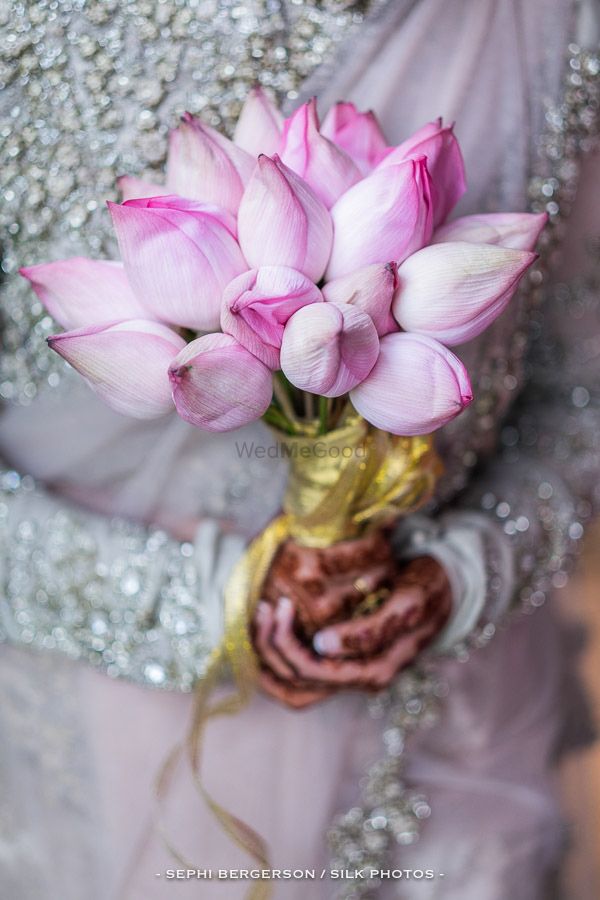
[{"x": 340, "y": 484}]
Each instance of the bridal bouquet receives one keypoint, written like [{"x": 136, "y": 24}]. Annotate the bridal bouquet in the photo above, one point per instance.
[{"x": 303, "y": 273}]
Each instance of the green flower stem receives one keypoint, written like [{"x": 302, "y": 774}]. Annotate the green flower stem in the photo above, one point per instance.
[
  {"x": 324, "y": 407},
  {"x": 283, "y": 398},
  {"x": 273, "y": 416}
]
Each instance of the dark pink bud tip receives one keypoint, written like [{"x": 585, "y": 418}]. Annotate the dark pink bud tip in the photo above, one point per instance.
[{"x": 177, "y": 375}]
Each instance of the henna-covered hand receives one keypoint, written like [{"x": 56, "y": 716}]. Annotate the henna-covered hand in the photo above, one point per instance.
[{"x": 313, "y": 633}]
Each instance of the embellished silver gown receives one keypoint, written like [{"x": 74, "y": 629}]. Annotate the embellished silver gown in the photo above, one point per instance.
[{"x": 107, "y": 618}]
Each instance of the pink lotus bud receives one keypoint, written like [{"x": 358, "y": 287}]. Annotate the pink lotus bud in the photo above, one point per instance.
[
  {"x": 281, "y": 221},
  {"x": 184, "y": 204},
  {"x": 371, "y": 290},
  {"x": 178, "y": 255},
  {"x": 259, "y": 126},
  {"x": 218, "y": 385},
  {"x": 80, "y": 291},
  {"x": 205, "y": 165},
  {"x": 444, "y": 164},
  {"x": 133, "y": 188},
  {"x": 327, "y": 169},
  {"x": 516, "y": 231},
  {"x": 453, "y": 291},
  {"x": 258, "y": 303},
  {"x": 125, "y": 363},
  {"x": 357, "y": 133},
  {"x": 328, "y": 348},
  {"x": 385, "y": 216},
  {"x": 415, "y": 387}
]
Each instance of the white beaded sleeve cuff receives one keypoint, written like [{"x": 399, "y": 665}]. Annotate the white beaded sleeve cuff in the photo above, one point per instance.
[{"x": 478, "y": 560}]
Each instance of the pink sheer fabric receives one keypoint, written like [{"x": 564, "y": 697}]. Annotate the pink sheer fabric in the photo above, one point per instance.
[{"x": 495, "y": 824}]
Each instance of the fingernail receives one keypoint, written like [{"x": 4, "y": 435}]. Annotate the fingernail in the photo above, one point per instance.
[
  {"x": 262, "y": 609},
  {"x": 326, "y": 642},
  {"x": 284, "y": 606}
]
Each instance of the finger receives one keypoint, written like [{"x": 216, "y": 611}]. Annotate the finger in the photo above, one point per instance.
[
  {"x": 291, "y": 695},
  {"x": 373, "y": 674},
  {"x": 308, "y": 666},
  {"x": 379, "y": 672},
  {"x": 355, "y": 555},
  {"x": 369, "y": 634},
  {"x": 264, "y": 624}
]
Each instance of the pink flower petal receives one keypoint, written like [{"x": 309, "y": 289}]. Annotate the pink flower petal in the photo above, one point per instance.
[
  {"x": 444, "y": 164},
  {"x": 258, "y": 303},
  {"x": 81, "y": 291},
  {"x": 370, "y": 289},
  {"x": 184, "y": 204},
  {"x": 385, "y": 216},
  {"x": 328, "y": 348},
  {"x": 259, "y": 126},
  {"x": 178, "y": 260},
  {"x": 452, "y": 291},
  {"x": 218, "y": 385},
  {"x": 125, "y": 363},
  {"x": 357, "y": 133},
  {"x": 516, "y": 231},
  {"x": 281, "y": 221},
  {"x": 204, "y": 165},
  {"x": 326, "y": 168},
  {"x": 415, "y": 387}
]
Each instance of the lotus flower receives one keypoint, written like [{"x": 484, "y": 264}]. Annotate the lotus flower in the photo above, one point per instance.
[
  {"x": 125, "y": 363},
  {"x": 206, "y": 166},
  {"x": 78, "y": 291},
  {"x": 257, "y": 304},
  {"x": 326, "y": 168},
  {"x": 313, "y": 247},
  {"x": 282, "y": 222},
  {"x": 218, "y": 385},
  {"x": 444, "y": 163},
  {"x": 259, "y": 126},
  {"x": 453, "y": 291},
  {"x": 516, "y": 231},
  {"x": 179, "y": 256},
  {"x": 328, "y": 348},
  {"x": 385, "y": 216},
  {"x": 415, "y": 387},
  {"x": 357, "y": 133},
  {"x": 370, "y": 289}
]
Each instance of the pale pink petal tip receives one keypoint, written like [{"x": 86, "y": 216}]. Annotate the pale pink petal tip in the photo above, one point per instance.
[
  {"x": 260, "y": 125},
  {"x": 515, "y": 231},
  {"x": 81, "y": 291},
  {"x": 445, "y": 164},
  {"x": 203, "y": 164},
  {"x": 358, "y": 133},
  {"x": 125, "y": 363},
  {"x": 324, "y": 166}
]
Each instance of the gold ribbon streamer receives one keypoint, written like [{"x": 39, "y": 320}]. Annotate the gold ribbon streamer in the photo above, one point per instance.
[{"x": 339, "y": 484}]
